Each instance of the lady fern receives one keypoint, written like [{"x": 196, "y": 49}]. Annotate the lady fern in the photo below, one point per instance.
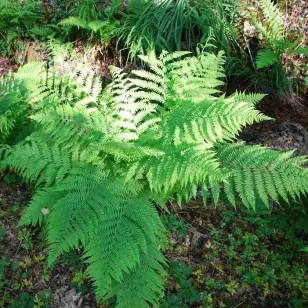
[
  {"x": 88, "y": 16},
  {"x": 100, "y": 165}
]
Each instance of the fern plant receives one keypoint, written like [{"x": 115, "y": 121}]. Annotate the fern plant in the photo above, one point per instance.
[
  {"x": 105, "y": 30},
  {"x": 275, "y": 45},
  {"x": 22, "y": 19},
  {"x": 90, "y": 18},
  {"x": 101, "y": 167}
]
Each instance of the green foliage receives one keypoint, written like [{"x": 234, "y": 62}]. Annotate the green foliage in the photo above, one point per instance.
[
  {"x": 275, "y": 46},
  {"x": 260, "y": 263},
  {"x": 175, "y": 226},
  {"x": 160, "y": 25},
  {"x": 22, "y": 19},
  {"x": 258, "y": 173},
  {"x": 24, "y": 237},
  {"x": 266, "y": 58},
  {"x": 113, "y": 7},
  {"x": 14, "y": 90},
  {"x": 86, "y": 10},
  {"x": 187, "y": 293},
  {"x": 104, "y": 29},
  {"x": 179, "y": 25},
  {"x": 18, "y": 275},
  {"x": 100, "y": 161},
  {"x": 274, "y": 28},
  {"x": 11, "y": 107},
  {"x": 141, "y": 26},
  {"x": 89, "y": 17},
  {"x": 239, "y": 256},
  {"x": 2, "y": 234}
]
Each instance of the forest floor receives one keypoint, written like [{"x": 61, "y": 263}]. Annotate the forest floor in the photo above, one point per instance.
[
  {"x": 218, "y": 256},
  {"x": 225, "y": 258}
]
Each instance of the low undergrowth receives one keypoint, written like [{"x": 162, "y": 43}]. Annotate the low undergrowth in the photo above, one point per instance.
[
  {"x": 217, "y": 258},
  {"x": 233, "y": 258}
]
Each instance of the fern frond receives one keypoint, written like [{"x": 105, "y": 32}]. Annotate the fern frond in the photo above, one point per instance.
[
  {"x": 250, "y": 98},
  {"x": 42, "y": 199},
  {"x": 7, "y": 83},
  {"x": 134, "y": 112},
  {"x": 76, "y": 216},
  {"x": 38, "y": 162},
  {"x": 172, "y": 78},
  {"x": 74, "y": 22},
  {"x": 11, "y": 109},
  {"x": 177, "y": 168},
  {"x": 209, "y": 121},
  {"x": 266, "y": 58},
  {"x": 202, "y": 76},
  {"x": 128, "y": 152},
  {"x": 273, "y": 17},
  {"x": 257, "y": 173},
  {"x": 126, "y": 232},
  {"x": 11, "y": 35},
  {"x": 40, "y": 32},
  {"x": 143, "y": 285},
  {"x": 69, "y": 125},
  {"x": 97, "y": 25}
]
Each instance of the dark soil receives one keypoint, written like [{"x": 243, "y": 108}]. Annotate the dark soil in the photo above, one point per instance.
[
  {"x": 287, "y": 131},
  {"x": 7, "y": 64},
  {"x": 31, "y": 260}
]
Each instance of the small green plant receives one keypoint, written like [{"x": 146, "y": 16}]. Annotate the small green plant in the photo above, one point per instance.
[
  {"x": 25, "y": 237},
  {"x": 10, "y": 178},
  {"x": 3, "y": 264},
  {"x": 175, "y": 225},
  {"x": 79, "y": 278},
  {"x": 185, "y": 292},
  {"x": 73, "y": 259},
  {"x": 24, "y": 300},
  {"x": 2, "y": 234},
  {"x": 80, "y": 282},
  {"x": 15, "y": 209},
  {"x": 258, "y": 262}
]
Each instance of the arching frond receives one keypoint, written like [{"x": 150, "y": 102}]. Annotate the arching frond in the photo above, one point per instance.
[
  {"x": 212, "y": 121},
  {"x": 259, "y": 174}
]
